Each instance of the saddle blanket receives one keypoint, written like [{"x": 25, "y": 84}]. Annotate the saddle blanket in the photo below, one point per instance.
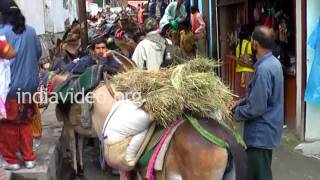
[{"x": 83, "y": 83}]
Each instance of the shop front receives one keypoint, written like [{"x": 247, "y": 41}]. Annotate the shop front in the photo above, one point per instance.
[{"x": 236, "y": 20}]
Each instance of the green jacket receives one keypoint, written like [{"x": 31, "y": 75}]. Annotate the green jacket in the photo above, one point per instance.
[{"x": 171, "y": 14}]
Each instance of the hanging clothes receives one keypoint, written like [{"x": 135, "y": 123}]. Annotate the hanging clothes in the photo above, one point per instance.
[{"x": 312, "y": 94}]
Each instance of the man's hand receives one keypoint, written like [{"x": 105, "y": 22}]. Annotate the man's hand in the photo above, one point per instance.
[
  {"x": 108, "y": 54},
  {"x": 245, "y": 60},
  {"x": 234, "y": 104}
]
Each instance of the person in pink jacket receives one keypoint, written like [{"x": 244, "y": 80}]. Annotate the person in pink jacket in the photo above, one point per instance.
[{"x": 199, "y": 31}]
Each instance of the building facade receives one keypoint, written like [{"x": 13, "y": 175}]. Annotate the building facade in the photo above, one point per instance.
[
  {"x": 49, "y": 16},
  {"x": 224, "y": 19}
]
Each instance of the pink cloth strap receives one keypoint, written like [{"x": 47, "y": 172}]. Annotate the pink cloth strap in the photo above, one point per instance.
[{"x": 150, "y": 170}]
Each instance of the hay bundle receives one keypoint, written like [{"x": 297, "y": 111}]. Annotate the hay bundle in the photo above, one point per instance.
[{"x": 167, "y": 93}]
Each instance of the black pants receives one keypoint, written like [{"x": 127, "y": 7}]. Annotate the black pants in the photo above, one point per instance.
[{"x": 259, "y": 164}]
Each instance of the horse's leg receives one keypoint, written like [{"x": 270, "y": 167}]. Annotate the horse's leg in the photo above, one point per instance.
[
  {"x": 72, "y": 145},
  {"x": 80, "y": 150}
]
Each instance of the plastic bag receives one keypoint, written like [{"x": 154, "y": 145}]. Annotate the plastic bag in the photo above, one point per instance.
[
  {"x": 5, "y": 77},
  {"x": 312, "y": 94}
]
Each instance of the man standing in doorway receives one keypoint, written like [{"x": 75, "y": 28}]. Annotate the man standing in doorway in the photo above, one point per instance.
[
  {"x": 262, "y": 110},
  {"x": 199, "y": 31}
]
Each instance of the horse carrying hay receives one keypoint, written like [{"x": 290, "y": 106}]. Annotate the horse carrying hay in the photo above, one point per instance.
[{"x": 197, "y": 144}]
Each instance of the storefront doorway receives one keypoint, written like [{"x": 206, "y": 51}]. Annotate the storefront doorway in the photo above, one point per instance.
[{"x": 277, "y": 14}]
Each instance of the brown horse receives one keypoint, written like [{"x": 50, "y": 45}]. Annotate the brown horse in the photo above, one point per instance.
[
  {"x": 189, "y": 156},
  {"x": 67, "y": 48}
]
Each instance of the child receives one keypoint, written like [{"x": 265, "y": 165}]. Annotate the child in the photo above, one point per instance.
[
  {"x": 6, "y": 52},
  {"x": 187, "y": 40}
]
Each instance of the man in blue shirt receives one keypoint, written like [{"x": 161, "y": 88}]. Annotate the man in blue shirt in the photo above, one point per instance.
[
  {"x": 101, "y": 55},
  {"x": 262, "y": 109}
]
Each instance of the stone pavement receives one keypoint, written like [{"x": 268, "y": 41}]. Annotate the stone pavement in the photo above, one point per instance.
[
  {"x": 49, "y": 158},
  {"x": 289, "y": 163},
  {"x": 311, "y": 149}
]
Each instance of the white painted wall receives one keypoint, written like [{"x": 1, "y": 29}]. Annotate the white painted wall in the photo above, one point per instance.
[
  {"x": 312, "y": 111},
  {"x": 93, "y": 8},
  {"x": 49, "y": 15},
  {"x": 63, "y": 13},
  {"x": 34, "y": 14}
]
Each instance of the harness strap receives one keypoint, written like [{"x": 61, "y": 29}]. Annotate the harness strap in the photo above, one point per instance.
[
  {"x": 151, "y": 165},
  {"x": 102, "y": 136},
  {"x": 206, "y": 134},
  {"x": 106, "y": 81}
]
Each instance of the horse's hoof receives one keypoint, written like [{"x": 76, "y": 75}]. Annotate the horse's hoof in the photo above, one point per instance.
[
  {"x": 115, "y": 172},
  {"x": 73, "y": 175},
  {"x": 80, "y": 172}
]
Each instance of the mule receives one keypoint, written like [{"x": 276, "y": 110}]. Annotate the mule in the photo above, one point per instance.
[
  {"x": 189, "y": 155},
  {"x": 70, "y": 115}
]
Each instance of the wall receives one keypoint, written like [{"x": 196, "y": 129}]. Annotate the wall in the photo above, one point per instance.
[
  {"x": 49, "y": 16},
  {"x": 33, "y": 11},
  {"x": 312, "y": 111},
  {"x": 93, "y": 8}
]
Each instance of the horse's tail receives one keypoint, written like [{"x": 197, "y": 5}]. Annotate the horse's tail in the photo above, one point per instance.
[
  {"x": 237, "y": 157},
  {"x": 237, "y": 161}
]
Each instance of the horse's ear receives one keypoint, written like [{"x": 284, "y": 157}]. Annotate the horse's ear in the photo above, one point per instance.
[
  {"x": 75, "y": 21},
  {"x": 59, "y": 41},
  {"x": 51, "y": 53},
  {"x": 52, "y": 41}
]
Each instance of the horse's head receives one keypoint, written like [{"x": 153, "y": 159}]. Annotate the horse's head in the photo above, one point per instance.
[{"x": 125, "y": 63}]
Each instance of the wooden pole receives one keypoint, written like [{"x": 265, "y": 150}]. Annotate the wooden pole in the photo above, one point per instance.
[{"x": 83, "y": 24}]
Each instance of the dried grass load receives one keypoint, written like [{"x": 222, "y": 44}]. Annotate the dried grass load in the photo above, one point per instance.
[{"x": 168, "y": 93}]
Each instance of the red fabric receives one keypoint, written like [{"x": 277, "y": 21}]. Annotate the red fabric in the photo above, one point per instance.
[
  {"x": 269, "y": 22},
  {"x": 3, "y": 45},
  {"x": 16, "y": 137},
  {"x": 194, "y": 23},
  {"x": 51, "y": 85},
  {"x": 120, "y": 34},
  {"x": 19, "y": 113},
  {"x": 141, "y": 16},
  {"x": 136, "y": 3}
]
